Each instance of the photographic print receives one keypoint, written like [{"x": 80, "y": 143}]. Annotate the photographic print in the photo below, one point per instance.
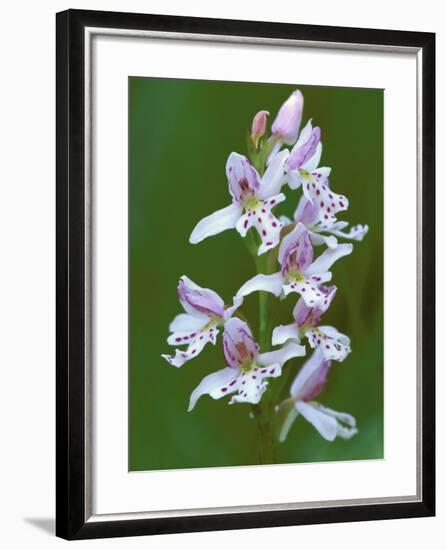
[{"x": 255, "y": 274}]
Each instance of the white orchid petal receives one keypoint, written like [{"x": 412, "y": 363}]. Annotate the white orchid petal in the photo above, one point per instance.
[
  {"x": 250, "y": 390},
  {"x": 345, "y": 418},
  {"x": 282, "y": 333},
  {"x": 274, "y": 176},
  {"x": 317, "y": 239},
  {"x": 186, "y": 323},
  {"x": 328, "y": 258},
  {"x": 216, "y": 385},
  {"x": 282, "y": 355},
  {"x": 324, "y": 424},
  {"x": 356, "y": 233},
  {"x": 268, "y": 283},
  {"x": 219, "y": 221},
  {"x": 294, "y": 179},
  {"x": 333, "y": 344},
  {"x": 195, "y": 343},
  {"x": 308, "y": 288}
]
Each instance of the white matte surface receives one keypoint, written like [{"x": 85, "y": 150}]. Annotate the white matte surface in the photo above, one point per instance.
[{"x": 116, "y": 490}]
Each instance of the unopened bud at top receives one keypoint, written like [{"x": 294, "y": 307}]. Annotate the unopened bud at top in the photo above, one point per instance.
[
  {"x": 258, "y": 127},
  {"x": 287, "y": 123}
]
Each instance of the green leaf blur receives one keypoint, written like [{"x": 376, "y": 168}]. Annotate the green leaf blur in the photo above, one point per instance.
[{"x": 180, "y": 135}]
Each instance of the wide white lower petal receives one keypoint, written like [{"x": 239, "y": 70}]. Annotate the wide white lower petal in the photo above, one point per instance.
[
  {"x": 216, "y": 385},
  {"x": 328, "y": 258},
  {"x": 282, "y": 333},
  {"x": 219, "y": 221},
  {"x": 185, "y": 322},
  {"x": 282, "y": 355},
  {"x": 268, "y": 283},
  {"x": 324, "y": 424}
]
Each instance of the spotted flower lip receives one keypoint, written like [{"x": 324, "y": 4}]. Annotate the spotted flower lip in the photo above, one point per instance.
[
  {"x": 299, "y": 273},
  {"x": 307, "y": 212},
  {"x": 245, "y": 377},
  {"x": 307, "y": 385},
  {"x": 253, "y": 198},
  {"x": 332, "y": 344},
  {"x": 205, "y": 314}
]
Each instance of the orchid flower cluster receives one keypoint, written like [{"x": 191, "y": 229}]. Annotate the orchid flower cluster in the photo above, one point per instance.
[{"x": 290, "y": 156}]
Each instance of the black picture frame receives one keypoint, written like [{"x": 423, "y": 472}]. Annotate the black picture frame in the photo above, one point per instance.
[{"x": 71, "y": 518}]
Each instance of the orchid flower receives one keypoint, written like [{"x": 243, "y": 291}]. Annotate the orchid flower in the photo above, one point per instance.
[
  {"x": 307, "y": 212},
  {"x": 307, "y": 385},
  {"x": 247, "y": 371},
  {"x": 205, "y": 313},
  {"x": 331, "y": 343},
  {"x": 299, "y": 273},
  {"x": 253, "y": 198},
  {"x": 305, "y": 155}
]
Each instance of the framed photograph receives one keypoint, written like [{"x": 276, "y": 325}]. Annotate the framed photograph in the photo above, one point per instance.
[{"x": 245, "y": 274}]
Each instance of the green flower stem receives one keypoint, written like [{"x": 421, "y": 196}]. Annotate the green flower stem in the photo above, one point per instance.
[{"x": 264, "y": 411}]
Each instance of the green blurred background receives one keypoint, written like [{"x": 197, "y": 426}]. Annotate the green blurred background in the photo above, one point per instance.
[{"x": 180, "y": 135}]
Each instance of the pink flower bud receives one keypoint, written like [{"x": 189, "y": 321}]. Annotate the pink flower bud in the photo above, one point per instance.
[
  {"x": 287, "y": 123},
  {"x": 258, "y": 127}
]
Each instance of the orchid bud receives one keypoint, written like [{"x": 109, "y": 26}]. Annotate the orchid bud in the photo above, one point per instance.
[
  {"x": 287, "y": 123},
  {"x": 258, "y": 127}
]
